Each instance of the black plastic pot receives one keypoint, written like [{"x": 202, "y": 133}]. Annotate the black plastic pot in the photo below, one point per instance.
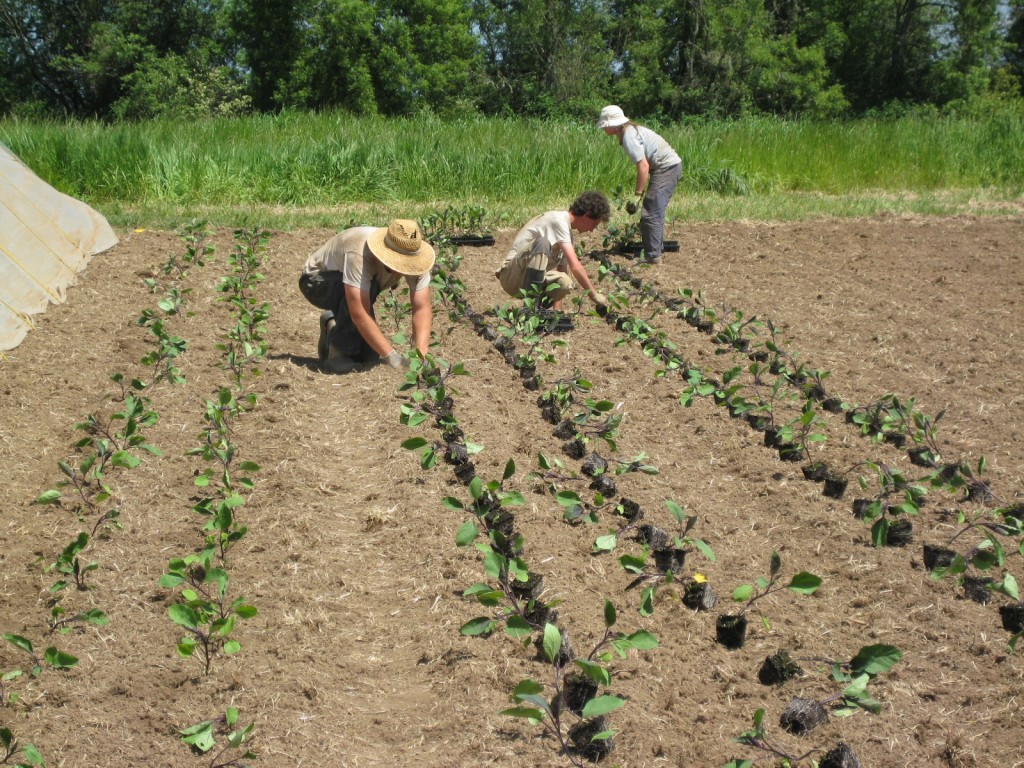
[
  {"x": 778, "y": 668},
  {"x": 816, "y": 471},
  {"x": 465, "y": 472},
  {"x": 529, "y": 589},
  {"x": 791, "y": 452},
  {"x": 577, "y": 690},
  {"x": 977, "y": 589},
  {"x": 731, "y": 630},
  {"x": 629, "y": 509},
  {"x": 472, "y": 240},
  {"x": 919, "y": 457},
  {"x": 699, "y": 596},
  {"x": 670, "y": 560},
  {"x": 835, "y": 487},
  {"x": 937, "y": 557},
  {"x": 594, "y": 465},
  {"x": 840, "y": 756},
  {"x": 1012, "y": 616},
  {"x": 653, "y": 536},
  {"x": 581, "y": 736},
  {"x": 900, "y": 534},
  {"x": 802, "y": 716}
]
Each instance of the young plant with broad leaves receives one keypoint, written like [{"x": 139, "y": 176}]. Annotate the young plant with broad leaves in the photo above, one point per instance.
[
  {"x": 202, "y": 738},
  {"x": 16, "y": 755},
  {"x": 204, "y": 609},
  {"x": 52, "y": 658},
  {"x": 573, "y": 708}
]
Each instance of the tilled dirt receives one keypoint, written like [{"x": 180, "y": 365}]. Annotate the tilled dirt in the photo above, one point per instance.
[{"x": 355, "y": 657}]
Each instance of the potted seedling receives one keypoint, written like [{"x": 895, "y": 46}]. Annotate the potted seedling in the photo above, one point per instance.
[
  {"x": 575, "y": 713},
  {"x": 983, "y": 556},
  {"x": 556, "y": 401},
  {"x": 896, "y": 496},
  {"x": 10, "y": 750},
  {"x": 458, "y": 226},
  {"x": 798, "y": 435},
  {"x": 1011, "y": 614},
  {"x": 803, "y": 715},
  {"x": 202, "y": 738},
  {"x": 52, "y": 658},
  {"x": 736, "y": 332},
  {"x": 669, "y": 551},
  {"x": 731, "y": 629}
]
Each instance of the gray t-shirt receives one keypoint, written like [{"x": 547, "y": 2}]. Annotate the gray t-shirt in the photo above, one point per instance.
[
  {"x": 347, "y": 253},
  {"x": 640, "y": 142}
]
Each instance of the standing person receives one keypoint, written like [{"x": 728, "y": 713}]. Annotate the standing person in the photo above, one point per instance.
[
  {"x": 543, "y": 252},
  {"x": 658, "y": 169},
  {"x": 344, "y": 277}
]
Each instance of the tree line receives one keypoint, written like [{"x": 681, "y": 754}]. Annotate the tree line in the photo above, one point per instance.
[{"x": 667, "y": 59}]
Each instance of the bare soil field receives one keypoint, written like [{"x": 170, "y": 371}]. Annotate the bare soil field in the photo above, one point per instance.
[{"x": 355, "y": 658}]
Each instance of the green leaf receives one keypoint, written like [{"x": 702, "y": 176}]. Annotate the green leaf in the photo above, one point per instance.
[
  {"x": 872, "y": 660},
  {"x": 517, "y": 626},
  {"x": 647, "y": 601},
  {"x": 602, "y": 705},
  {"x": 125, "y": 460},
  {"x": 451, "y": 502},
  {"x": 232, "y": 647},
  {"x": 643, "y": 640},
  {"x": 466, "y": 534},
  {"x": 609, "y": 614},
  {"x": 805, "y": 583},
  {"x": 552, "y": 642},
  {"x": 183, "y": 615},
  {"x": 595, "y": 672},
  {"x": 705, "y": 549},
  {"x": 568, "y": 498},
  {"x": 59, "y": 659},
  {"x": 49, "y": 497},
  {"x": 535, "y": 716},
  {"x": 605, "y": 543},
  {"x": 512, "y": 499},
  {"x": 18, "y": 641},
  {"x": 481, "y": 625},
  {"x": 775, "y": 564},
  {"x": 742, "y": 593},
  {"x": 510, "y": 469},
  {"x": 199, "y": 736},
  {"x": 677, "y": 512}
]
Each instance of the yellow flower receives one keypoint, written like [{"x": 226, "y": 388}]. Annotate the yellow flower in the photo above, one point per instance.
[{"x": 700, "y": 578}]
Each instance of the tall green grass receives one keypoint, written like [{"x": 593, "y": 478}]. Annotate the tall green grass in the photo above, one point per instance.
[{"x": 303, "y": 169}]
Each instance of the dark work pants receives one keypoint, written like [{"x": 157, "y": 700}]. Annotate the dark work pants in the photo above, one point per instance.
[{"x": 326, "y": 290}]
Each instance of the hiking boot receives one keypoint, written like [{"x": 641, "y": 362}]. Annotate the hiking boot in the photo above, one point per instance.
[
  {"x": 326, "y": 324},
  {"x": 336, "y": 362},
  {"x": 652, "y": 260}
]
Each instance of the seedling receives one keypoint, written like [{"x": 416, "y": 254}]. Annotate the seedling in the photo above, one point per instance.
[
  {"x": 732, "y": 627},
  {"x": 669, "y": 556},
  {"x": 52, "y": 658},
  {"x": 896, "y": 495},
  {"x": 757, "y": 738},
  {"x": 205, "y": 611},
  {"x": 427, "y": 382},
  {"x": 587, "y": 738},
  {"x": 202, "y": 738},
  {"x": 10, "y": 750},
  {"x": 1012, "y": 614},
  {"x": 736, "y": 333}
]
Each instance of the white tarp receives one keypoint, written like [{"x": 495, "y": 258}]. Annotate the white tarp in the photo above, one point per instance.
[{"x": 46, "y": 239}]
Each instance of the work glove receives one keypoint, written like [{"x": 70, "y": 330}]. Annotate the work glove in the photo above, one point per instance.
[
  {"x": 396, "y": 361},
  {"x": 600, "y": 300},
  {"x": 632, "y": 207}
]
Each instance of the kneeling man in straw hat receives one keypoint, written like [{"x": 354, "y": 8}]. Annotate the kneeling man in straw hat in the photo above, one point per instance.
[{"x": 344, "y": 277}]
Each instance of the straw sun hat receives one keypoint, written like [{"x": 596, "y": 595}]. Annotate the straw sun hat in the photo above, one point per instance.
[
  {"x": 401, "y": 248},
  {"x": 611, "y": 117}
]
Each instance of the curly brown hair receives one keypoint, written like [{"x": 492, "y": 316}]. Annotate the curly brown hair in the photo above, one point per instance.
[{"x": 593, "y": 204}]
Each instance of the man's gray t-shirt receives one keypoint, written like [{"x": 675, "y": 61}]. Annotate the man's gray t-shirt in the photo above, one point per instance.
[{"x": 640, "y": 142}]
